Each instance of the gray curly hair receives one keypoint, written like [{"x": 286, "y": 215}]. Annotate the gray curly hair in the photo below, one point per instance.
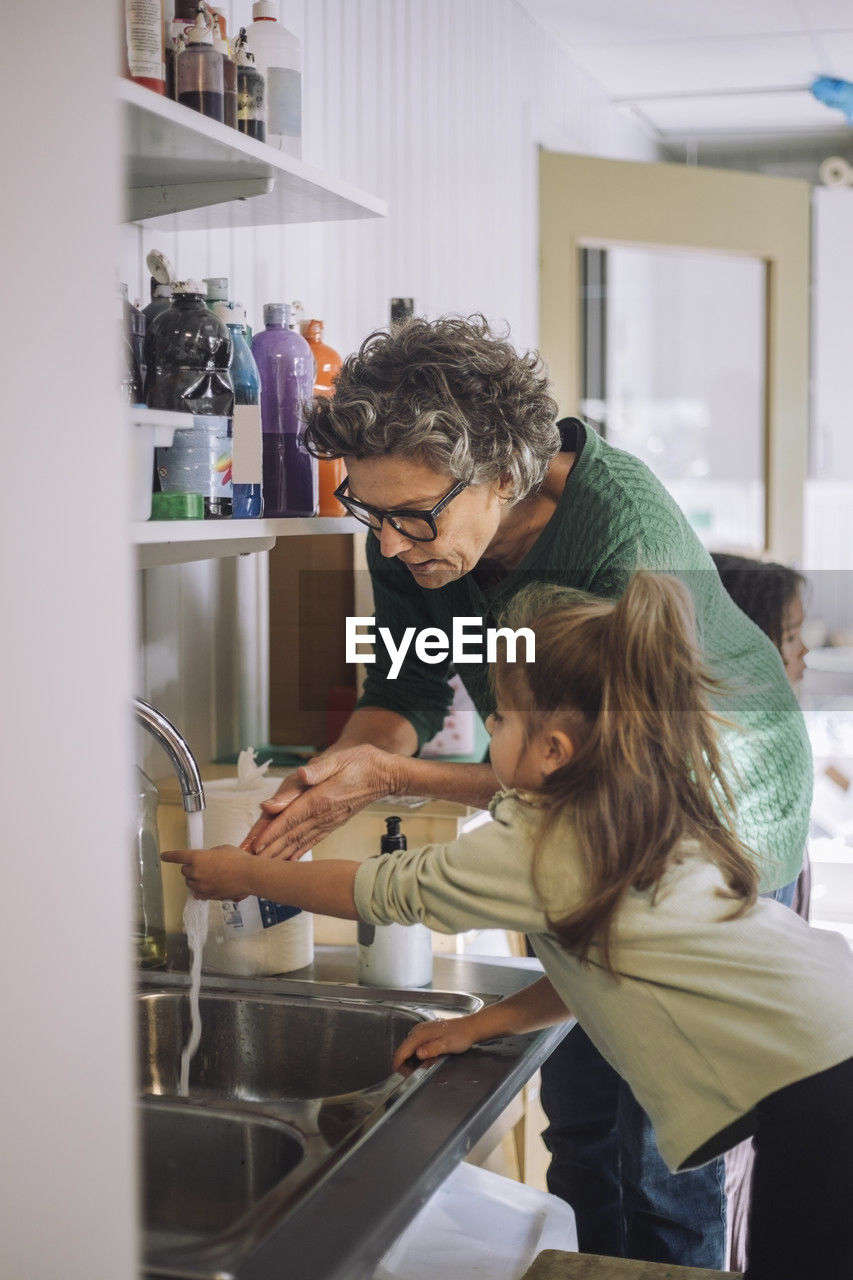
[{"x": 448, "y": 393}]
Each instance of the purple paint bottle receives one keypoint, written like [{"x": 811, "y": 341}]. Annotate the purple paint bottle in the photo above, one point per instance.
[{"x": 286, "y": 366}]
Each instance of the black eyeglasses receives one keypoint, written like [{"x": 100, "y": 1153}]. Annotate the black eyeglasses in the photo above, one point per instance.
[{"x": 419, "y": 526}]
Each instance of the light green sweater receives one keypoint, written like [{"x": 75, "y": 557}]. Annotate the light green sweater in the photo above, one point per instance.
[
  {"x": 708, "y": 1016},
  {"x": 615, "y": 517}
]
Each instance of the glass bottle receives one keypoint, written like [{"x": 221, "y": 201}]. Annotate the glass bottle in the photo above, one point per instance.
[
  {"x": 330, "y": 471},
  {"x": 250, "y": 92},
  {"x": 247, "y": 441},
  {"x": 199, "y": 77},
  {"x": 286, "y": 367},
  {"x": 149, "y": 929},
  {"x": 229, "y": 71}
]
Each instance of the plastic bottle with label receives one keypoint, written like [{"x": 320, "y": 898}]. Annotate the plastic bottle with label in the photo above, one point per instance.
[
  {"x": 199, "y": 77},
  {"x": 247, "y": 440},
  {"x": 394, "y": 955},
  {"x": 278, "y": 57},
  {"x": 286, "y": 366},
  {"x": 330, "y": 471},
  {"x": 144, "y": 44},
  {"x": 149, "y": 927},
  {"x": 188, "y": 353},
  {"x": 133, "y": 348}
]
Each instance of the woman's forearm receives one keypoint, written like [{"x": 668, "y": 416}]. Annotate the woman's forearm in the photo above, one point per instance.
[{"x": 469, "y": 784}]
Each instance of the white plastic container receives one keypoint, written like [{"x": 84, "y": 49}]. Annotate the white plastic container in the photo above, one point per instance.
[
  {"x": 479, "y": 1224},
  {"x": 252, "y": 937},
  {"x": 394, "y": 955},
  {"x": 278, "y": 56}
]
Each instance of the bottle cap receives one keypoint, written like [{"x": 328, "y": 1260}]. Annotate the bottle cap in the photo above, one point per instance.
[
  {"x": 229, "y": 312},
  {"x": 217, "y": 288},
  {"x": 276, "y": 313},
  {"x": 188, "y": 286},
  {"x": 177, "y": 506},
  {"x": 160, "y": 267},
  {"x": 265, "y": 11},
  {"x": 202, "y": 31}
]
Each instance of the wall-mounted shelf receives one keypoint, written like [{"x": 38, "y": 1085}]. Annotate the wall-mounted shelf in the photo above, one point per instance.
[
  {"x": 184, "y": 172},
  {"x": 161, "y": 542}
]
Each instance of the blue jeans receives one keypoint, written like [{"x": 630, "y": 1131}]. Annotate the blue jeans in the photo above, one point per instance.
[{"x": 605, "y": 1163}]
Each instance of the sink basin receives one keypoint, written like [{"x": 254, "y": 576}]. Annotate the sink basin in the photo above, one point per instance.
[
  {"x": 203, "y": 1170},
  {"x": 288, "y": 1080},
  {"x": 268, "y": 1049}
]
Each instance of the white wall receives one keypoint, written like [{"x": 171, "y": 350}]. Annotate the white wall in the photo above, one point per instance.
[
  {"x": 438, "y": 107},
  {"x": 66, "y": 1163}
]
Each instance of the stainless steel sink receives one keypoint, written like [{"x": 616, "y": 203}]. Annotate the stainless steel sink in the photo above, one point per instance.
[
  {"x": 268, "y": 1049},
  {"x": 288, "y": 1080}
]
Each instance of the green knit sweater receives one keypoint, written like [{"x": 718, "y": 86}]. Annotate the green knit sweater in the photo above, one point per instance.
[{"x": 614, "y": 517}]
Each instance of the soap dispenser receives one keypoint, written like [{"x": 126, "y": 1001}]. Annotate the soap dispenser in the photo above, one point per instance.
[
  {"x": 149, "y": 928},
  {"x": 394, "y": 955}
]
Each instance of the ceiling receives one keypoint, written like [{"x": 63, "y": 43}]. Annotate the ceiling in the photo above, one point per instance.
[{"x": 712, "y": 74}]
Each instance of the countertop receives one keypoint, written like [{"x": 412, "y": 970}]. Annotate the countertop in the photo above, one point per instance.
[{"x": 342, "y": 1229}]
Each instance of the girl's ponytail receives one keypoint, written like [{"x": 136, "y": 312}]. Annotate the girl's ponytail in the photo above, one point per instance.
[{"x": 647, "y": 769}]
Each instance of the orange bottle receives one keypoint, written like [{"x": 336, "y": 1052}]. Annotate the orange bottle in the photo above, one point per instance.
[{"x": 331, "y": 471}]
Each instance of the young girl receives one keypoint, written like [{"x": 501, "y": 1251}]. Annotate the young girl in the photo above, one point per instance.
[{"x": 612, "y": 848}]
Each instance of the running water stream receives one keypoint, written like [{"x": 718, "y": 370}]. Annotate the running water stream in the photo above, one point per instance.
[{"x": 196, "y": 915}]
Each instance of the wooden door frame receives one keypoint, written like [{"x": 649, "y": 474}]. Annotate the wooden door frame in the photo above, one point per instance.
[{"x": 587, "y": 201}]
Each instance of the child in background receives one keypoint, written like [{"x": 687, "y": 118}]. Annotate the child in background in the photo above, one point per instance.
[
  {"x": 613, "y": 849},
  {"x": 771, "y": 595}
]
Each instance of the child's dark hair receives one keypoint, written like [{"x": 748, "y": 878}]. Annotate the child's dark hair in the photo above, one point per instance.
[
  {"x": 761, "y": 588},
  {"x": 627, "y": 682}
]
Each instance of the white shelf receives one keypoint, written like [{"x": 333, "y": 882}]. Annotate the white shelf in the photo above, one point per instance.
[
  {"x": 161, "y": 542},
  {"x": 185, "y": 171}
]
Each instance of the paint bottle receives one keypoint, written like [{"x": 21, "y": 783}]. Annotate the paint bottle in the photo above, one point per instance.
[
  {"x": 251, "y": 109},
  {"x": 199, "y": 79},
  {"x": 394, "y": 955},
  {"x": 247, "y": 442},
  {"x": 279, "y": 58},
  {"x": 188, "y": 352},
  {"x": 144, "y": 44},
  {"x": 330, "y": 471},
  {"x": 229, "y": 70},
  {"x": 286, "y": 367}
]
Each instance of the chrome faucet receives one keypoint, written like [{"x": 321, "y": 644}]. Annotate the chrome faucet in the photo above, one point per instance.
[{"x": 175, "y": 746}]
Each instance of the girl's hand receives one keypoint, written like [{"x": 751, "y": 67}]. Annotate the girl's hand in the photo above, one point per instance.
[
  {"x": 223, "y": 872},
  {"x": 431, "y": 1039},
  {"x": 320, "y": 797}
]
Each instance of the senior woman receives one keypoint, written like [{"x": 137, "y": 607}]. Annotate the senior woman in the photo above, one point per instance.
[{"x": 471, "y": 489}]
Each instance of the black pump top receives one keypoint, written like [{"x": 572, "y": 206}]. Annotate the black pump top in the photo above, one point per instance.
[{"x": 393, "y": 838}]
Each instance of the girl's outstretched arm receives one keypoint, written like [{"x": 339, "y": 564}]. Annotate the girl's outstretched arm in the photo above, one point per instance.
[
  {"x": 228, "y": 872},
  {"x": 536, "y": 1007}
]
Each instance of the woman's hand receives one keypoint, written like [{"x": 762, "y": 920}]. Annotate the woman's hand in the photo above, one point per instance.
[
  {"x": 223, "y": 872},
  {"x": 321, "y": 796},
  {"x": 431, "y": 1039}
]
